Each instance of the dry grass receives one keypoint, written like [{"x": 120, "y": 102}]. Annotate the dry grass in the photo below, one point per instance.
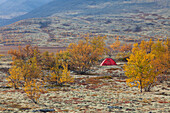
[
  {"x": 93, "y": 81},
  {"x": 113, "y": 69},
  {"x": 103, "y": 77},
  {"x": 163, "y": 101},
  {"x": 55, "y": 89},
  {"x": 4, "y": 49},
  {"x": 13, "y": 105},
  {"x": 2, "y": 109},
  {"x": 118, "y": 80}
]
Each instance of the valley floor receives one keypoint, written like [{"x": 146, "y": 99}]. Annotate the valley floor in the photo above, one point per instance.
[{"x": 91, "y": 95}]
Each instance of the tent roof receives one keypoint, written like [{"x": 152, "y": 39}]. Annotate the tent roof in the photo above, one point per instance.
[{"x": 108, "y": 62}]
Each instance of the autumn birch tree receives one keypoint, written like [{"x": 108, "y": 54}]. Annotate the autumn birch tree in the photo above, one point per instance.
[
  {"x": 86, "y": 53},
  {"x": 147, "y": 61},
  {"x": 138, "y": 69}
]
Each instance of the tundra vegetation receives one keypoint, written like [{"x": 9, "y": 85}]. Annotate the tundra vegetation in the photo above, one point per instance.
[
  {"x": 28, "y": 71},
  {"x": 33, "y": 71}
]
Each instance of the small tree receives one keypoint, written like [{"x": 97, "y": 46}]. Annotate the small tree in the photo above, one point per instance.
[
  {"x": 60, "y": 76},
  {"x": 65, "y": 77},
  {"x": 147, "y": 61},
  {"x": 31, "y": 70},
  {"x": 116, "y": 45},
  {"x": 47, "y": 60},
  {"x": 98, "y": 44},
  {"x": 126, "y": 48},
  {"x": 62, "y": 57},
  {"x": 55, "y": 72},
  {"x": 28, "y": 72},
  {"x": 33, "y": 90},
  {"x": 86, "y": 53},
  {"x": 21, "y": 55},
  {"x": 161, "y": 61},
  {"x": 122, "y": 50},
  {"x": 138, "y": 69}
]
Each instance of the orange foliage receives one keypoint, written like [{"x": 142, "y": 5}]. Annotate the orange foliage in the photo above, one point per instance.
[
  {"x": 116, "y": 45},
  {"x": 86, "y": 53},
  {"x": 23, "y": 53}
]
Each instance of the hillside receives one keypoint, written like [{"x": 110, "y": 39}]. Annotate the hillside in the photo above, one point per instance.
[
  {"x": 94, "y": 7},
  {"x": 61, "y": 31},
  {"x": 62, "y": 22},
  {"x": 13, "y": 8}
]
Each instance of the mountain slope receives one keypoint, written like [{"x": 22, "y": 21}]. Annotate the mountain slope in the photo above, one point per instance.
[
  {"x": 9, "y": 7},
  {"x": 75, "y": 7},
  {"x": 92, "y": 7}
]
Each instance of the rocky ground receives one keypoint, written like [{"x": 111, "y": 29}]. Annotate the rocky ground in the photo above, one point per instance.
[{"x": 89, "y": 94}]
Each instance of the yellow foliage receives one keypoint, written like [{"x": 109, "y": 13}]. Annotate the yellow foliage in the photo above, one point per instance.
[
  {"x": 1, "y": 56},
  {"x": 62, "y": 57},
  {"x": 138, "y": 68},
  {"x": 55, "y": 72},
  {"x": 15, "y": 77},
  {"x": 33, "y": 90},
  {"x": 161, "y": 52},
  {"x": 122, "y": 55},
  {"x": 65, "y": 76},
  {"x": 98, "y": 44},
  {"x": 48, "y": 60},
  {"x": 60, "y": 76},
  {"x": 146, "y": 45},
  {"x": 31, "y": 70},
  {"x": 147, "y": 61}
]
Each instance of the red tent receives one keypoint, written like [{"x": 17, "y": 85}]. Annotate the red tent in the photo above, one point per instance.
[{"x": 108, "y": 62}]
